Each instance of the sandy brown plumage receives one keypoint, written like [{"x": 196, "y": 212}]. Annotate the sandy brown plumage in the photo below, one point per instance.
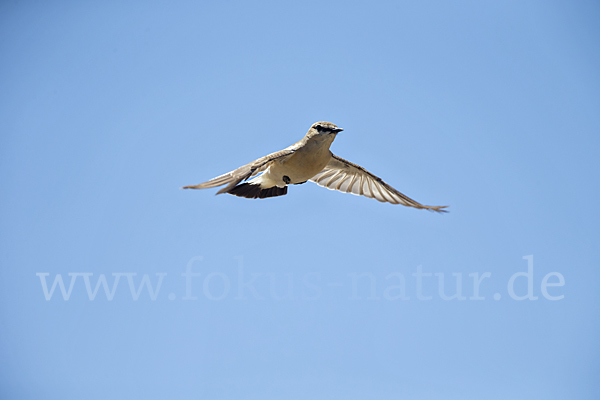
[{"x": 308, "y": 159}]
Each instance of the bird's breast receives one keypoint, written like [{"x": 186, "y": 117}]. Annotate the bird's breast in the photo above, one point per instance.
[{"x": 305, "y": 163}]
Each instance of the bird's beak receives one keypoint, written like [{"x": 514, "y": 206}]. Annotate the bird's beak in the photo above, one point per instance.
[{"x": 337, "y": 130}]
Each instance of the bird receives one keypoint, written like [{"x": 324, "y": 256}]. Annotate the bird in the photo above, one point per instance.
[{"x": 308, "y": 160}]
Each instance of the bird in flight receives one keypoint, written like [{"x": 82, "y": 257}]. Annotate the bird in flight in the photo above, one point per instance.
[{"x": 308, "y": 159}]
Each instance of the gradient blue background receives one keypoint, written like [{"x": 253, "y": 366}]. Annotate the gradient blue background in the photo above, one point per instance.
[{"x": 107, "y": 108}]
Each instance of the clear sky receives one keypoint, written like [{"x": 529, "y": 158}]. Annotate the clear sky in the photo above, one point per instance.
[{"x": 108, "y": 108}]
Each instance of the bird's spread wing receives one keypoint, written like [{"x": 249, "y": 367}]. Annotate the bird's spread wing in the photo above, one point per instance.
[
  {"x": 232, "y": 178},
  {"x": 347, "y": 177}
]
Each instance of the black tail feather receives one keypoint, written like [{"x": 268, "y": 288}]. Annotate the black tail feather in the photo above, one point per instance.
[{"x": 252, "y": 191}]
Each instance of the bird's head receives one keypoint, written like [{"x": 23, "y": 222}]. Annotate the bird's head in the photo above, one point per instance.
[{"x": 323, "y": 128}]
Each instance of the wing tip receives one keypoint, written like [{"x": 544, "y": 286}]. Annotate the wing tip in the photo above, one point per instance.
[{"x": 437, "y": 209}]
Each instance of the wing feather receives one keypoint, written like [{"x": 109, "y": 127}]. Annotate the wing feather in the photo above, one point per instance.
[
  {"x": 233, "y": 178},
  {"x": 342, "y": 175}
]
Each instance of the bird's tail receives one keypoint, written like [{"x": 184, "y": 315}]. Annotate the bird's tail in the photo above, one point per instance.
[{"x": 255, "y": 191}]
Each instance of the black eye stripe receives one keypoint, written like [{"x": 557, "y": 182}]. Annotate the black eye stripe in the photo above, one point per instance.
[{"x": 321, "y": 128}]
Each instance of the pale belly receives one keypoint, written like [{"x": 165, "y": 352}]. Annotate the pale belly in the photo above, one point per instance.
[{"x": 303, "y": 165}]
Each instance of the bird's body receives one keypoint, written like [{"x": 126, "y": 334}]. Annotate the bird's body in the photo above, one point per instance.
[{"x": 308, "y": 159}]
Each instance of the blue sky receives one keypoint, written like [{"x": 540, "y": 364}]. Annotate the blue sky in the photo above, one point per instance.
[{"x": 108, "y": 108}]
